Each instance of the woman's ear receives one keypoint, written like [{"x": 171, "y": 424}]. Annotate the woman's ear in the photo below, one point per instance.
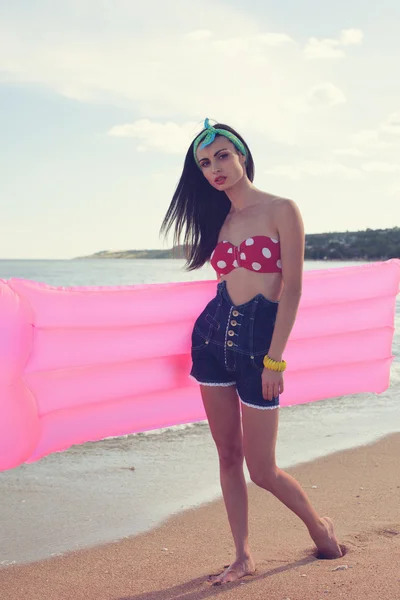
[{"x": 242, "y": 158}]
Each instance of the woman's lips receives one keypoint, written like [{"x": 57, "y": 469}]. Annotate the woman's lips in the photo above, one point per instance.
[{"x": 219, "y": 180}]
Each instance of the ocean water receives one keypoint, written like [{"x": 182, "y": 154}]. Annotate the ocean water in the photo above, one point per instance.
[{"x": 104, "y": 491}]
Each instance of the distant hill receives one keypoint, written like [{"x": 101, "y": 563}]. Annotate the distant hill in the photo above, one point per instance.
[
  {"x": 371, "y": 244},
  {"x": 175, "y": 252}
]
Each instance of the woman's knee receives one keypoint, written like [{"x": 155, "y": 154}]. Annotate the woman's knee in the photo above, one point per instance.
[
  {"x": 265, "y": 476},
  {"x": 230, "y": 455}
]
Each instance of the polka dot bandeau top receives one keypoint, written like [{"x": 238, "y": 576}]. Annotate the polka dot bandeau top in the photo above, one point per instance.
[{"x": 258, "y": 253}]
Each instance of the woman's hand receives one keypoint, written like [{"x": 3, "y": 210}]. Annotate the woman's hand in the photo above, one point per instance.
[{"x": 272, "y": 384}]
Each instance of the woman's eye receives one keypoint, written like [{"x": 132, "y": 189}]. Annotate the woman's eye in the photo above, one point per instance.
[{"x": 206, "y": 163}]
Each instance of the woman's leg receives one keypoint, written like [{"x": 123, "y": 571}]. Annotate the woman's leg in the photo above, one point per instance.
[
  {"x": 223, "y": 412},
  {"x": 260, "y": 429}
]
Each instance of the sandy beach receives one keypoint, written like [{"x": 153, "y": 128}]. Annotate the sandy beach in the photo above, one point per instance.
[{"x": 358, "y": 488}]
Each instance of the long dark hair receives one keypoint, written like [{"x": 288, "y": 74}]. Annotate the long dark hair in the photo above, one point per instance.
[{"x": 199, "y": 210}]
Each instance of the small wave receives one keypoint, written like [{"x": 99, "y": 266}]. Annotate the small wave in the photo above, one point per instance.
[{"x": 163, "y": 430}]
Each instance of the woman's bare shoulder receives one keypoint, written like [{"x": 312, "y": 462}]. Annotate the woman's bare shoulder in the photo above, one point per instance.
[
  {"x": 273, "y": 200},
  {"x": 279, "y": 205},
  {"x": 280, "y": 211},
  {"x": 275, "y": 205}
]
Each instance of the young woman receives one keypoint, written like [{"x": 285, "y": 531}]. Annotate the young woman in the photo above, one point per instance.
[{"x": 255, "y": 243}]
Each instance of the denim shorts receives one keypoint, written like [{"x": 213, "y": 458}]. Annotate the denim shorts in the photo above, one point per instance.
[{"x": 229, "y": 343}]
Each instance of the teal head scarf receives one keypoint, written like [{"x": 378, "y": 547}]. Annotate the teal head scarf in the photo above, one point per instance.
[{"x": 208, "y": 136}]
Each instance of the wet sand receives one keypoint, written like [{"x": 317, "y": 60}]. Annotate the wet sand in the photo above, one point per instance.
[{"x": 358, "y": 488}]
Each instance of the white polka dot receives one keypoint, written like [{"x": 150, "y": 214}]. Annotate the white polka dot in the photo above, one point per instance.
[
  {"x": 221, "y": 264},
  {"x": 279, "y": 264},
  {"x": 249, "y": 242},
  {"x": 242, "y": 256},
  {"x": 266, "y": 252},
  {"x": 274, "y": 240},
  {"x": 230, "y": 250},
  {"x": 256, "y": 266},
  {"x": 235, "y": 263}
]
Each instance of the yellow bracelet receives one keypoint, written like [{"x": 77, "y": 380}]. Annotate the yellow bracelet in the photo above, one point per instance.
[{"x": 274, "y": 365}]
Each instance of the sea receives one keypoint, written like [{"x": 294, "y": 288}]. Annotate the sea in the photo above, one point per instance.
[{"x": 104, "y": 491}]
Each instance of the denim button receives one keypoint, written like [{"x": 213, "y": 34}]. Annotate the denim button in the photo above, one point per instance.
[
  {"x": 229, "y": 343},
  {"x": 231, "y": 333},
  {"x": 233, "y": 323},
  {"x": 235, "y": 313}
]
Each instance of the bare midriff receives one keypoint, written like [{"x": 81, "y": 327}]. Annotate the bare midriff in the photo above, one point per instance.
[{"x": 243, "y": 285}]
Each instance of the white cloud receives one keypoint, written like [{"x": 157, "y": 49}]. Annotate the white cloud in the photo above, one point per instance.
[
  {"x": 169, "y": 137},
  {"x": 371, "y": 142},
  {"x": 311, "y": 168},
  {"x": 391, "y": 125},
  {"x": 317, "y": 101},
  {"x": 326, "y": 94},
  {"x": 354, "y": 152},
  {"x": 275, "y": 39},
  {"x": 327, "y": 48},
  {"x": 199, "y": 35},
  {"x": 351, "y": 37},
  {"x": 182, "y": 71},
  {"x": 380, "y": 167},
  {"x": 394, "y": 190},
  {"x": 330, "y": 48}
]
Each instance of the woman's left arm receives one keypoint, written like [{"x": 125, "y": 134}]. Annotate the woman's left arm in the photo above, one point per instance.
[{"x": 290, "y": 228}]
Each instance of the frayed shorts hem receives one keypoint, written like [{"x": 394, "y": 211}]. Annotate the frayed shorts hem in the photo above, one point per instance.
[
  {"x": 229, "y": 383},
  {"x": 213, "y": 383},
  {"x": 258, "y": 406}
]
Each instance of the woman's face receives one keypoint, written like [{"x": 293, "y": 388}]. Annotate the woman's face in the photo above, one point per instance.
[{"x": 222, "y": 165}]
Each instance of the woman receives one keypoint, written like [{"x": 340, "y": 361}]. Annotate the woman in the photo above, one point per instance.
[{"x": 255, "y": 242}]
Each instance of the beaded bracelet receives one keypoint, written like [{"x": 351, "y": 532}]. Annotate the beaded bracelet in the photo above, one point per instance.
[{"x": 274, "y": 365}]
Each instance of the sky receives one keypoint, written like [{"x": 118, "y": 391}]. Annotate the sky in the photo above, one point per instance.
[{"x": 100, "y": 99}]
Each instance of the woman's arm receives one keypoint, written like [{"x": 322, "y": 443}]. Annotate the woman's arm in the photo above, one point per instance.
[{"x": 290, "y": 228}]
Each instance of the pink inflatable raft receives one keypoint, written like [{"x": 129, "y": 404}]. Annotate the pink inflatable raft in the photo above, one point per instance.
[{"x": 85, "y": 363}]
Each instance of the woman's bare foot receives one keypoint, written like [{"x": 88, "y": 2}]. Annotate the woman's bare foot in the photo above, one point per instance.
[
  {"x": 326, "y": 541},
  {"x": 237, "y": 570}
]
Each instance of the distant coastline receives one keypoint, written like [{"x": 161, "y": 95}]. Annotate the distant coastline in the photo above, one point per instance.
[{"x": 370, "y": 244}]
